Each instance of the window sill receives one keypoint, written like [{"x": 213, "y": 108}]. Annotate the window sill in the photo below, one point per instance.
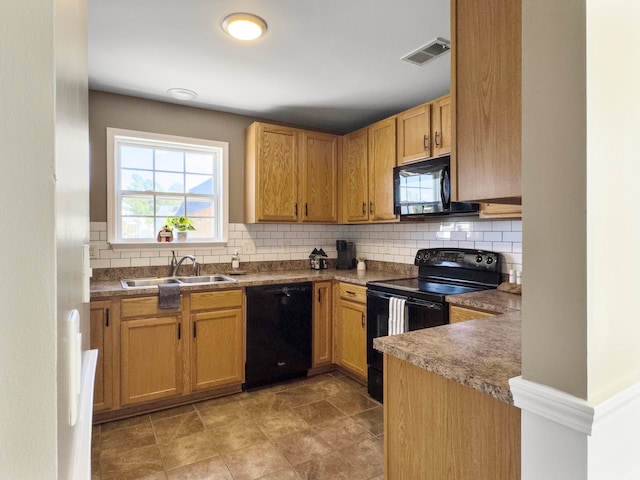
[{"x": 165, "y": 245}]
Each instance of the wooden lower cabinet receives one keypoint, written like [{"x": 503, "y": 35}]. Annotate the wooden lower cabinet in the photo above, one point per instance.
[
  {"x": 322, "y": 316},
  {"x": 151, "y": 358},
  {"x": 462, "y": 314},
  {"x": 217, "y": 339},
  {"x": 435, "y": 429},
  {"x": 350, "y": 329},
  {"x": 101, "y": 339}
]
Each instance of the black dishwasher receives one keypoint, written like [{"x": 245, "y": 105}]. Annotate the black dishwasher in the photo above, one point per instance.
[{"x": 278, "y": 333}]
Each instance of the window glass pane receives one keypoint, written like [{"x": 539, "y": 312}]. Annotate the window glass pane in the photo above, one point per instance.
[
  {"x": 137, "y": 205},
  {"x": 199, "y": 207},
  {"x": 133, "y": 156},
  {"x": 169, "y": 207},
  {"x": 201, "y": 184},
  {"x": 197, "y": 162},
  {"x": 136, "y": 180},
  {"x": 170, "y": 160},
  {"x": 169, "y": 182},
  {"x": 137, "y": 227},
  {"x": 204, "y": 228}
]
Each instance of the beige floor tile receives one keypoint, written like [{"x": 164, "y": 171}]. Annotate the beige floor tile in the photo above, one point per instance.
[
  {"x": 215, "y": 402},
  {"x": 318, "y": 413},
  {"x": 221, "y": 415},
  {"x": 237, "y": 435},
  {"x": 255, "y": 462},
  {"x": 302, "y": 446},
  {"x": 116, "y": 441},
  {"x": 372, "y": 420},
  {"x": 351, "y": 402},
  {"x": 155, "y": 476},
  {"x": 342, "y": 432},
  {"x": 288, "y": 474},
  {"x": 168, "y": 429},
  {"x": 332, "y": 466},
  {"x": 172, "y": 412},
  {"x": 366, "y": 456},
  {"x": 186, "y": 450},
  {"x": 210, "y": 469},
  {"x": 327, "y": 385},
  {"x": 298, "y": 396},
  {"x": 125, "y": 423},
  {"x": 276, "y": 424},
  {"x": 131, "y": 464}
]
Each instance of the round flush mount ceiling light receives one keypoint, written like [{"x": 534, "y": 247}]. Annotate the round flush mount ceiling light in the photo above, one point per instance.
[
  {"x": 182, "y": 93},
  {"x": 244, "y": 26}
]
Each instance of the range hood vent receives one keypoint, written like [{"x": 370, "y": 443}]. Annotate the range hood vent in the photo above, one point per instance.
[{"x": 428, "y": 52}]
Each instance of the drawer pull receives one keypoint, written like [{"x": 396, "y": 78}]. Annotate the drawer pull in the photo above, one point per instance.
[{"x": 350, "y": 292}]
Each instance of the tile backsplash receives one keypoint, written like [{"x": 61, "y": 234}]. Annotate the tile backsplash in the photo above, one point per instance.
[{"x": 396, "y": 242}]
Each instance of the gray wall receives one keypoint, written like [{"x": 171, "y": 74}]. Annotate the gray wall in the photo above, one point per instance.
[{"x": 119, "y": 111}]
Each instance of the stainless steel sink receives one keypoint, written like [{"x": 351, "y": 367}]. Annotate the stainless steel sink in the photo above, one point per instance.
[
  {"x": 206, "y": 279},
  {"x": 147, "y": 282},
  {"x": 193, "y": 280}
]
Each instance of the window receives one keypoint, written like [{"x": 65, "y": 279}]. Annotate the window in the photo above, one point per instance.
[{"x": 152, "y": 177}]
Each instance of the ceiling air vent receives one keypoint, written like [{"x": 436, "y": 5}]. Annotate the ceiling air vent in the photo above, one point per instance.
[{"x": 428, "y": 52}]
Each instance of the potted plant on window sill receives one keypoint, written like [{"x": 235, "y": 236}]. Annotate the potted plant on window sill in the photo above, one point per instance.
[{"x": 182, "y": 225}]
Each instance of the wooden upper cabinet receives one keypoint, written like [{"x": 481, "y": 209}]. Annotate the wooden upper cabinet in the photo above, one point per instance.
[
  {"x": 354, "y": 177},
  {"x": 271, "y": 174},
  {"x": 441, "y": 126},
  {"x": 319, "y": 174},
  {"x": 486, "y": 84},
  {"x": 382, "y": 159},
  {"x": 290, "y": 175},
  {"x": 414, "y": 134}
]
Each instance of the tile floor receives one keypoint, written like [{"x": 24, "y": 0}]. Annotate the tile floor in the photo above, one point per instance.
[{"x": 321, "y": 428}]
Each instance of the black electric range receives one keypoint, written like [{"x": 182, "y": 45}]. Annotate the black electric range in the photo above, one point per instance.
[{"x": 441, "y": 272}]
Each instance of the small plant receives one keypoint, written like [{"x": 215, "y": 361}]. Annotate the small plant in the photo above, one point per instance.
[{"x": 182, "y": 224}]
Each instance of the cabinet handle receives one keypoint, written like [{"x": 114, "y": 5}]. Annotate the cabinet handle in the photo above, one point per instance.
[
  {"x": 179, "y": 331},
  {"x": 363, "y": 320},
  {"x": 350, "y": 292},
  {"x": 306, "y": 210},
  {"x": 319, "y": 292},
  {"x": 106, "y": 318},
  {"x": 296, "y": 209},
  {"x": 371, "y": 208},
  {"x": 437, "y": 140},
  {"x": 194, "y": 329},
  {"x": 425, "y": 142},
  {"x": 364, "y": 207}
]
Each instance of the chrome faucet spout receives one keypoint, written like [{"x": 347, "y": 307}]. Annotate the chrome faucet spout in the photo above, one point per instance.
[{"x": 174, "y": 269}]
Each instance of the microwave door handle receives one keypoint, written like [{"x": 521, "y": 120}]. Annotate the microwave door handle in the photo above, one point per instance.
[{"x": 444, "y": 188}]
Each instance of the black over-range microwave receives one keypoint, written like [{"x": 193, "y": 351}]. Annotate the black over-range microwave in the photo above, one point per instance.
[{"x": 424, "y": 188}]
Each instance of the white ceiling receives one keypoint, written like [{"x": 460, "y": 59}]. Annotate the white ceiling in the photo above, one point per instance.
[{"x": 326, "y": 64}]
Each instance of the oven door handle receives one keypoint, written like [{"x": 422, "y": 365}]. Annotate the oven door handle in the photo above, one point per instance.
[
  {"x": 424, "y": 304},
  {"x": 386, "y": 296}
]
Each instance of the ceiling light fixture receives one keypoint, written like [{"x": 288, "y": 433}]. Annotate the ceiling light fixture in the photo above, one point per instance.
[
  {"x": 244, "y": 26},
  {"x": 182, "y": 93}
]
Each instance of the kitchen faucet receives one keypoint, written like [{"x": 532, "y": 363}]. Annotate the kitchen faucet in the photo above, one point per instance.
[{"x": 175, "y": 264}]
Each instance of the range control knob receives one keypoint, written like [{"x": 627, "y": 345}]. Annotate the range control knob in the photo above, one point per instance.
[
  {"x": 419, "y": 256},
  {"x": 478, "y": 258},
  {"x": 489, "y": 260}
]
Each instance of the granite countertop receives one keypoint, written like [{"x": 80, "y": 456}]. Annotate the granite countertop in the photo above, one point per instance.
[
  {"x": 482, "y": 354},
  {"x": 488, "y": 300},
  {"x": 113, "y": 288}
]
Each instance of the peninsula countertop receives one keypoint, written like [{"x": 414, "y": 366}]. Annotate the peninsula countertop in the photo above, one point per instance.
[{"x": 482, "y": 354}]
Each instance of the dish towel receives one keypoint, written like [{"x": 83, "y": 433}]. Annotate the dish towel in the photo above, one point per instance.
[
  {"x": 397, "y": 320},
  {"x": 169, "y": 296}
]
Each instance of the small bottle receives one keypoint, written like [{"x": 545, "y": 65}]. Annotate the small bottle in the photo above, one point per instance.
[
  {"x": 235, "y": 261},
  {"x": 512, "y": 276},
  {"x": 518, "y": 277}
]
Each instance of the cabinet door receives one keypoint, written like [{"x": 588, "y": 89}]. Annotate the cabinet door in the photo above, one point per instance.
[
  {"x": 217, "y": 354},
  {"x": 414, "y": 140},
  {"x": 319, "y": 168},
  {"x": 322, "y": 323},
  {"x": 486, "y": 80},
  {"x": 351, "y": 347},
  {"x": 355, "y": 177},
  {"x": 382, "y": 159},
  {"x": 277, "y": 174},
  {"x": 151, "y": 359},
  {"x": 101, "y": 339},
  {"x": 441, "y": 126}
]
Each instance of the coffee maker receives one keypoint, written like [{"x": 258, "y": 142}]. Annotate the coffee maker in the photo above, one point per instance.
[{"x": 346, "y": 255}]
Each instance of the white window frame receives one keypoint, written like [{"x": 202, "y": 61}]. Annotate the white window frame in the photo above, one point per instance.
[{"x": 115, "y": 135}]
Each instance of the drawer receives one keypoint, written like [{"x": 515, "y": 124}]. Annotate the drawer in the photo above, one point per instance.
[
  {"x": 216, "y": 299},
  {"x": 355, "y": 293},
  {"x": 462, "y": 314},
  {"x": 145, "y": 306}
]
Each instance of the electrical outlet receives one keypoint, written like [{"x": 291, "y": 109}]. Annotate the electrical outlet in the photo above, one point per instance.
[
  {"x": 93, "y": 251},
  {"x": 248, "y": 247}
]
